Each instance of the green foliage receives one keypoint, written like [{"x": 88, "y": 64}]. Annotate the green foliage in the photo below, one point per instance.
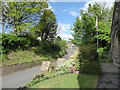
[
  {"x": 90, "y": 67},
  {"x": 62, "y": 45},
  {"x": 69, "y": 81},
  {"x": 21, "y": 15},
  {"x": 49, "y": 48},
  {"x": 88, "y": 60},
  {"x": 46, "y": 47},
  {"x": 12, "y": 42},
  {"x": 77, "y": 28},
  {"x": 87, "y": 52},
  {"x": 96, "y": 19},
  {"x": 47, "y": 26},
  {"x": 4, "y": 57},
  {"x": 62, "y": 81},
  {"x": 44, "y": 76},
  {"x": 20, "y": 57}
]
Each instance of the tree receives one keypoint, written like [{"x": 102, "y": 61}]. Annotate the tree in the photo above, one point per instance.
[
  {"x": 84, "y": 30},
  {"x": 21, "y": 15},
  {"x": 94, "y": 25},
  {"x": 47, "y": 26},
  {"x": 77, "y": 28},
  {"x": 57, "y": 40}
]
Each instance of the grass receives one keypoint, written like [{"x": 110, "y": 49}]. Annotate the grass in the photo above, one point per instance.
[
  {"x": 105, "y": 61},
  {"x": 88, "y": 81},
  {"x": 25, "y": 56},
  {"x": 69, "y": 81}
]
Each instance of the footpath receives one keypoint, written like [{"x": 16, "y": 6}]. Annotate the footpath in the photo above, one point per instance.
[{"x": 110, "y": 77}]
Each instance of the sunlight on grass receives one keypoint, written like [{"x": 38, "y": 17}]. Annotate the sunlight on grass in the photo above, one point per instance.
[{"x": 69, "y": 81}]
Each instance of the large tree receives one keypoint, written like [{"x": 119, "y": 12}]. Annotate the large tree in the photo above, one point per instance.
[
  {"x": 77, "y": 28},
  {"x": 94, "y": 26},
  {"x": 47, "y": 26},
  {"x": 20, "y": 15}
]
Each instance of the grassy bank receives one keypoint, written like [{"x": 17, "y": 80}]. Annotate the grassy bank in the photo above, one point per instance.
[
  {"x": 69, "y": 81},
  {"x": 20, "y": 56}
]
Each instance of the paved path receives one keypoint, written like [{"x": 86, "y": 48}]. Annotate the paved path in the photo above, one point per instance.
[
  {"x": 70, "y": 51},
  {"x": 18, "y": 79},
  {"x": 109, "y": 78}
]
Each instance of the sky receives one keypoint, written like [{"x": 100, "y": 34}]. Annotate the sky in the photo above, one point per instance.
[{"x": 66, "y": 13}]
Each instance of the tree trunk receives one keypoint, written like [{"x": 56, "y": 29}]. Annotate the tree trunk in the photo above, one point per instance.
[
  {"x": 3, "y": 28},
  {"x": 15, "y": 30}
]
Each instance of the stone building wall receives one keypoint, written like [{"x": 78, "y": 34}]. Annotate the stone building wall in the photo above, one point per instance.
[{"x": 115, "y": 34}]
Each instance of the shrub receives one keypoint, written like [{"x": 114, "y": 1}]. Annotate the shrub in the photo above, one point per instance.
[
  {"x": 13, "y": 42},
  {"x": 32, "y": 41},
  {"x": 63, "y": 45},
  {"x": 90, "y": 67},
  {"x": 49, "y": 48},
  {"x": 88, "y": 52},
  {"x": 4, "y": 57},
  {"x": 46, "y": 47}
]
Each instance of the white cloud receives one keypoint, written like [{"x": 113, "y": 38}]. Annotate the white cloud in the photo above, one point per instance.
[
  {"x": 80, "y": 0},
  {"x": 63, "y": 28},
  {"x": 67, "y": 0},
  {"x": 53, "y": 0},
  {"x": 64, "y": 31},
  {"x": 65, "y": 10},
  {"x": 73, "y": 13},
  {"x": 106, "y": 3},
  {"x": 65, "y": 36}
]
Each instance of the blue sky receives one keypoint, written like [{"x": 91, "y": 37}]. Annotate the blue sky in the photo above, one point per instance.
[{"x": 66, "y": 13}]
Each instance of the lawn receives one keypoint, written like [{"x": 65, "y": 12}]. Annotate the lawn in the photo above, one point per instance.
[{"x": 69, "y": 81}]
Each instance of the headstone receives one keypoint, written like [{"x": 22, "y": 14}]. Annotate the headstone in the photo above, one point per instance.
[
  {"x": 72, "y": 69},
  {"x": 45, "y": 66},
  {"x": 60, "y": 61}
]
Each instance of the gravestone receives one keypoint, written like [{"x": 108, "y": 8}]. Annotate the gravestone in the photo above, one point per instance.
[{"x": 45, "y": 66}]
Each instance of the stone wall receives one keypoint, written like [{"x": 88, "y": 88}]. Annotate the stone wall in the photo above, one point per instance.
[
  {"x": 11, "y": 69},
  {"x": 115, "y": 34}
]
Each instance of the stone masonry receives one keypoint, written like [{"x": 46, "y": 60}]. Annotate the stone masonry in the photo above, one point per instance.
[{"x": 115, "y": 34}]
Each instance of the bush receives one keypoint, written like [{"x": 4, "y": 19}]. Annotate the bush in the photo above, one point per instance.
[
  {"x": 13, "y": 42},
  {"x": 88, "y": 52},
  {"x": 62, "y": 45},
  {"x": 46, "y": 47},
  {"x": 32, "y": 41},
  {"x": 49, "y": 48},
  {"x": 90, "y": 67}
]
